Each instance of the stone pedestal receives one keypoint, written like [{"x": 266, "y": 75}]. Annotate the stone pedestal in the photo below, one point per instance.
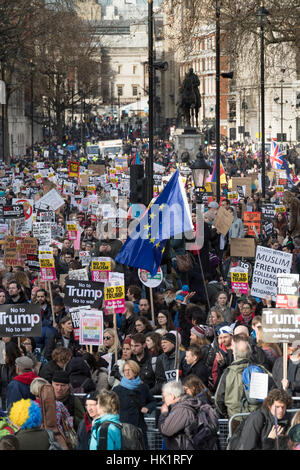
[{"x": 187, "y": 139}]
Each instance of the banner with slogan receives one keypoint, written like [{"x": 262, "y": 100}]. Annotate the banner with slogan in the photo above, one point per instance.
[
  {"x": 114, "y": 296},
  {"x": 269, "y": 263},
  {"x": 91, "y": 328},
  {"x": 100, "y": 267},
  {"x": 252, "y": 221},
  {"x": 82, "y": 293},
  {"x": 280, "y": 325},
  {"x": 20, "y": 320},
  {"x": 74, "y": 169}
]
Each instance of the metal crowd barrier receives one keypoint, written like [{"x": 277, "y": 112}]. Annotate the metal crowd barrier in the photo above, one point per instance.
[
  {"x": 155, "y": 439},
  {"x": 229, "y": 435}
]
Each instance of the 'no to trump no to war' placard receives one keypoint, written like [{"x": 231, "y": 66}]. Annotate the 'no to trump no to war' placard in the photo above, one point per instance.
[
  {"x": 269, "y": 263},
  {"x": 20, "y": 320}
]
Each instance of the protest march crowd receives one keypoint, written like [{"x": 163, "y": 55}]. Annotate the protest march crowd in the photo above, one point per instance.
[{"x": 102, "y": 332}]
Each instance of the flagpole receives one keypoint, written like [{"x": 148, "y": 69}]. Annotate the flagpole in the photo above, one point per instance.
[{"x": 218, "y": 99}]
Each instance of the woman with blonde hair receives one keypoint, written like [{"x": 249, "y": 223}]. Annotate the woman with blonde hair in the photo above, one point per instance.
[
  {"x": 110, "y": 344},
  {"x": 136, "y": 399}
]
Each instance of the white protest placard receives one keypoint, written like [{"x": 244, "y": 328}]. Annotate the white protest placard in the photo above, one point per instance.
[
  {"x": 78, "y": 275},
  {"x": 51, "y": 200},
  {"x": 42, "y": 231},
  {"x": 268, "y": 263},
  {"x": 258, "y": 385}
]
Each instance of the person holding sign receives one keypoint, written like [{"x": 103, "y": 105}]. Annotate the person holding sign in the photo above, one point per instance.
[{"x": 292, "y": 383}]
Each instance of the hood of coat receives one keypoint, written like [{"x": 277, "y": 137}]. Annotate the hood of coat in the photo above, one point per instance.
[
  {"x": 26, "y": 378},
  {"x": 107, "y": 417},
  {"x": 78, "y": 366}
]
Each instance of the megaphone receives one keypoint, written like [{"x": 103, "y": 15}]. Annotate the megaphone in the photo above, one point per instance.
[{"x": 162, "y": 66}]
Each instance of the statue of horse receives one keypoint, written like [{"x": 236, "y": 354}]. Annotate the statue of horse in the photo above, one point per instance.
[{"x": 190, "y": 100}]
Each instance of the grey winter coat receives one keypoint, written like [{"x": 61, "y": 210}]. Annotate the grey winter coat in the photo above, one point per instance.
[{"x": 173, "y": 423}]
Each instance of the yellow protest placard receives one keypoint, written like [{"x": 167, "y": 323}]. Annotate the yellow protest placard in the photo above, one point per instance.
[{"x": 114, "y": 292}]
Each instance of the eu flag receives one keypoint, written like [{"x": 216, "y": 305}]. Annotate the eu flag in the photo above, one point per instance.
[{"x": 169, "y": 216}]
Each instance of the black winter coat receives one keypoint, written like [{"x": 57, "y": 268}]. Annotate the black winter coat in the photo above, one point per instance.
[
  {"x": 80, "y": 374},
  {"x": 166, "y": 362},
  {"x": 131, "y": 402},
  {"x": 57, "y": 341},
  {"x": 257, "y": 427},
  {"x": 47, "y": 370},
  {"x": 200, "y": 370},
  {"x": 147, "y": 373}
]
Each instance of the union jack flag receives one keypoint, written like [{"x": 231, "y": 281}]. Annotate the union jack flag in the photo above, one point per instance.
[{"x": 275, "y": 156}]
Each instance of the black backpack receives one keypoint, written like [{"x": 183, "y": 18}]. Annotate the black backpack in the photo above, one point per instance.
[
  {"x": 132, "y": 436},
  {"x": 202, "y": 433}
]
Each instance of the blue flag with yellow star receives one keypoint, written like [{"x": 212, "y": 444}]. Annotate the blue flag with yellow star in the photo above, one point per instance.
[{"x": 168, "y": 216}]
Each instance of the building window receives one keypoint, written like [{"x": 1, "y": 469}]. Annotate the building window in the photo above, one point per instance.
[
  {"x": 134, "y": 90},
  {"x": 134, "y": 69},
  {"x": 119, "y": 69},
  {"x": 120, "y": 90}
]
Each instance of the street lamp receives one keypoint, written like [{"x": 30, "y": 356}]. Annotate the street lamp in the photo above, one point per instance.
[
  {"x": 290, "y": 129},
  {"x": 32, "y": 66},
  {"x": 262, "y": 14},
  {"x": 200, "y": 171}
]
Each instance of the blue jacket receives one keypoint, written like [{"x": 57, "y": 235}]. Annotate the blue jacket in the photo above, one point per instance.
[
  {"x": 114, "y": 438},
  {"x": 19, "y": 387}
]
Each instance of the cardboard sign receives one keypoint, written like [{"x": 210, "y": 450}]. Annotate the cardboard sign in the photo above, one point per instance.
[
  {"x": 82, "y": 293},
  {"x": 17, "y": 248},
  {"x": 252, "y": 219},
  {"x": 97, "y": 169},
  {"x": 269, "y": 263},
  {"x": 223, "y": 220},
  {"x": 20, "y": 320},
  {"x": 280, "y": 325},
  {"x": 247, "y": 182}
]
